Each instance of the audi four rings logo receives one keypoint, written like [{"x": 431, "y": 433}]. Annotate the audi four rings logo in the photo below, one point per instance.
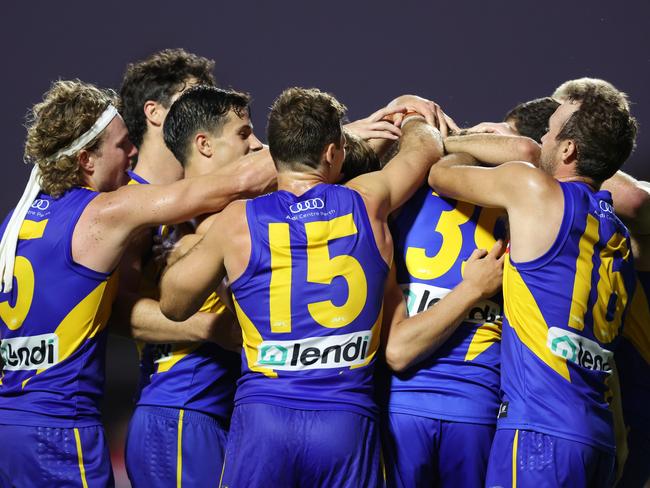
[
  {"x": 311, "y": 204},
  {"x": 41, "y": 204}
]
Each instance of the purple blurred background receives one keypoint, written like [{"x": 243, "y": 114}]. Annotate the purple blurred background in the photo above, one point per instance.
[{"x": 477, "y": 59}]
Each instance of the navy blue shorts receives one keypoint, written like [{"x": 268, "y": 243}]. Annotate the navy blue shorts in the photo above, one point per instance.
[
  {"x": 278, "y": 446},
  {"x": 170, "y": 447},
  {"x": 421, "y": 451},
  {"x": 523, "y": 458},
  {"x": 54, "y": 457}
]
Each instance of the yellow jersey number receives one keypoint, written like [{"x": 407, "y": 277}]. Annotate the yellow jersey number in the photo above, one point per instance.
[
  {"x": 321, "y": 268},
  {"x": 14, "y": 316}
]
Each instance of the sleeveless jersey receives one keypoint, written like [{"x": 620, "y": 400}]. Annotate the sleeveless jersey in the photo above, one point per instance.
[
  {"x": 52, "y": 323},
  {"x": 563, "y": 313},
  {"x": 460, "y": 381},
  {"x": 194, "y": 376},
  {"x": 309, "y": 302},
  {"x": 633, "y": 357}
]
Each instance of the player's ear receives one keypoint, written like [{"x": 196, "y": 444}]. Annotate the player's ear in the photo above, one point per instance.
[
  {"x": 154, "y": 113},
  {"x": 86, "y": 163},
  {"x": 568, "y": 151},
  {"x": 330, "y": 154},
  {"x": 203, "y": 145}
]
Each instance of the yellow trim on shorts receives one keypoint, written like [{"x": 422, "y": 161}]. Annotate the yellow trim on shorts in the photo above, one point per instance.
[
  {"x": 223, "y": 468},
  {"x": 80, "y": 457},
  {"x": 179, "y": 457},
  {"x": 515, "y": 443}
]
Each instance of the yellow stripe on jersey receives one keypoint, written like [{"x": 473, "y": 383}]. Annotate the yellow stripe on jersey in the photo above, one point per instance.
[
  {"x": 31, "y": 229},
  {"x": 179, "y": 457},
  {"x": 374, "y": 341},
  {"x": 637, "y": 323},
  {"x": 486, "y": 335},
  {"x": 251, "y": 341},
  {"x": 80, "y": 458},
  {"x": 179, "y": 351},
  {"x": 582, "y": 280},
  {"x": 527, "y": 320},
  {"x": 85, "y": 321},
  {"x": 515, "y": 445}
]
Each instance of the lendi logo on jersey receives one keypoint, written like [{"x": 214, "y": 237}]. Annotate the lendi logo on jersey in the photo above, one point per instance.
[
  {"x": 29, "y": 353},
  {"x": 420, "y": 297},
  {"x": 578, "y": 349},
  {"x": 305, "y": 205},
  {"x": 337, "y": 351}
]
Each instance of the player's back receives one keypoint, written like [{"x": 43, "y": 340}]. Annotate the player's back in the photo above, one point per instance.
[
  {"x": 309, "y": 302},
  {"x": 53, "y": 322},
  {"x": 563, "y": 313},
  {"x": 460, "y": 381}
]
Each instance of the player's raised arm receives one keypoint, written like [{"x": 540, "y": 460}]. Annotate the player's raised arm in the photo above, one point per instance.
[
  {"x": 420, "y": 147},
  {"x": 495, "y": 149},
  {"x": 408, "y": 340},
  {"x": 113, "y": 216}
]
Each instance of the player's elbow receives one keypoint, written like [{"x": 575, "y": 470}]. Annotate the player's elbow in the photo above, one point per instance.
[
  {"x": 171, "y": 309},
  {"x": 397, "y": 358},
  {"x": 528, "y": 150}
]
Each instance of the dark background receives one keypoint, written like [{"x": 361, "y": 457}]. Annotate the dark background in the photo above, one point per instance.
[{"x": 477, "y": 59}]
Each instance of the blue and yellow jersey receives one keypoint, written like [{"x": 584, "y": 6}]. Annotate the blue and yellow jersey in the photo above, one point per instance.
[
  {"x": 460, "y": 381},
  {"x": 563, "y": 313},
  {"x": 309, "y": 302},
  {"x": 633, "y": 357},
  {"x": 192, "y": 376},
  {"x": 52, "y": 323},
  {"x": 195, "y": 376}
]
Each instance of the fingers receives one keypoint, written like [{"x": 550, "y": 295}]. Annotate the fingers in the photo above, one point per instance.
[
  {"x": 450, "y": 122},
  {"x": 385, "y": 112},
  {"x": 477, "y": 254},
  {"x": 498, "y": 249},
  {"x": 442, "y": 122}
]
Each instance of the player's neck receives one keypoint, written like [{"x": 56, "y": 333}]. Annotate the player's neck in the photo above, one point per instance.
[
  {"x": 157, "y": 164},
  {"x": 299, "y": 182}
]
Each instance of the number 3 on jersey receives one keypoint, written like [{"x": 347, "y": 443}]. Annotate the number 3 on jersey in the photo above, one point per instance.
[
  {"x": 321, "y": 268},
  {"x": 424, "y": 267}
]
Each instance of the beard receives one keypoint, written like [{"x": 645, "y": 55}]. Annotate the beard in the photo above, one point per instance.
[{"x": 548, "y": 160}]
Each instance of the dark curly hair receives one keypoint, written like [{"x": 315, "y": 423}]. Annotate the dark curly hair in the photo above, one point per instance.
[
  {"x": 158, "y": 78},
  {"x": 602, "y": 129},
  {"x": 302, "y": 122}
]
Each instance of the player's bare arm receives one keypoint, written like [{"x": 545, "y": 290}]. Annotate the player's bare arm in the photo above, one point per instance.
[
  {"x": 111, "y": 217},
  {"x": 494, "y": 149},
  {"x": 187, "y": 283},
  {"x": 532, "y": 198},
  {"x": 409, "y": 340}
]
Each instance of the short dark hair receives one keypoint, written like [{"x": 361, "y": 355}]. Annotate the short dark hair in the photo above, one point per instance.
[
  {"x": 602, "y": 129},
  {"x": 531, "y": 118},
  {"x": 302, "y": 122},
  {"x": 197, "y": 109},
  {"x": 360, "y": 158},
  {"x": 157, "y": 78}
]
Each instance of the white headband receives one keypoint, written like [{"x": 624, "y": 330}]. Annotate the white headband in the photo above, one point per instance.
[
  {"x": 104, "y": 119},
  {"x": 10, "y": 236}
]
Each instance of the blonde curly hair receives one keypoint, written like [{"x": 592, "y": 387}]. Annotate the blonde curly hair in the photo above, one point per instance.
[{"x": 69, "y": 108}]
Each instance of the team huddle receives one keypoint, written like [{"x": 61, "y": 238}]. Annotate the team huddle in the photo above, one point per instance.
[{"x": 393, "y": 301}]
